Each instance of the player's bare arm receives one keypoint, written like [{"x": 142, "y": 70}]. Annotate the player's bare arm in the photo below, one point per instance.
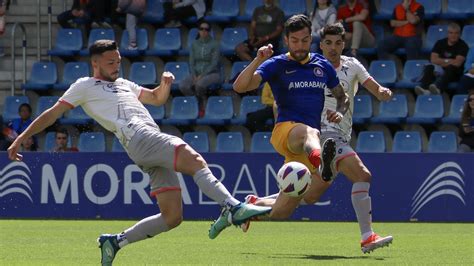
[
  {"x": 249, "y": 80},
  {"x": 46, "y": 119},
  {"x": 159, "y": 95},
  {"x": 342, "y": 105},
  {"x": 382, "y": 93}
]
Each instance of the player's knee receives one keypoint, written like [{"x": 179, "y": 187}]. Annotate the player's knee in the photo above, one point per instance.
[
  {"x": 364, "y": 175},
  {"x": 189, "y": 161},
  {"x": 173, "y": 219}
]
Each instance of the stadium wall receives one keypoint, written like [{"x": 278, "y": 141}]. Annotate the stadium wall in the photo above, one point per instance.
[{"x": 405, "y": 187}]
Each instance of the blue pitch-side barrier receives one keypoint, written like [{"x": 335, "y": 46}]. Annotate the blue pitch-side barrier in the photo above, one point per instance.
[{"x": 422, "y": 186}]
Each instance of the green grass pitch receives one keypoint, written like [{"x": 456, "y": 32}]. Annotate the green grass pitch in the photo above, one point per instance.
[{"x": 52, "y": 242}]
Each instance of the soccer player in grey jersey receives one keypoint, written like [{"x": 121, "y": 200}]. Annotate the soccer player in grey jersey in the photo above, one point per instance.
[{"x": 116, "y": 104}]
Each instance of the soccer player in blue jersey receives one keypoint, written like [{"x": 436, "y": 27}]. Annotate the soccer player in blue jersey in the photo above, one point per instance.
[{"x": 298, "y": 80}]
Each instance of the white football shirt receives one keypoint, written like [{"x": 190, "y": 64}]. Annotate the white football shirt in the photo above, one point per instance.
[
  {"x": 114, "y": 105},
  {"x": 350, "y": 73}
]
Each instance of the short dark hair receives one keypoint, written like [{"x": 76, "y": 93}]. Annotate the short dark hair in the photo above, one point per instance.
[
  {"x": 296, "y": 23},
  {"x": 333, "y": 29},
  {"x": 25, "y": 105},
  {"x": 61, "y": 130},
  {"x": 101, "y": 46}
]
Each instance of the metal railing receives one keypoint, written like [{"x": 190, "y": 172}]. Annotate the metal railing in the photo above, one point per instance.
[
  {"x": 38, "y": 31},
  {"x": 23, "y": 45}
]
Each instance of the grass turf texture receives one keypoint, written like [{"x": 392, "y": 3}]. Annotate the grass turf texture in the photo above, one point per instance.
[{"x": 51, "y": 242}]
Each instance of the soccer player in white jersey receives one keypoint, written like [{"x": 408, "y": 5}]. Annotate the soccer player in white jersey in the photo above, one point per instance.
[
  {"x": 350, "y": 73},
  {"x": 116, "y": 104}
]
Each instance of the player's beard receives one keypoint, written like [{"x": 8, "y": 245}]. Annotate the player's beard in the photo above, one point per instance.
[
  {"x": 299, "y": 55},
  {"x": 109, "y": 77}
]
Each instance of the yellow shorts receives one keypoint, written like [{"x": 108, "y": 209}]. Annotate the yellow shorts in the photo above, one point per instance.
[{"x": 279, "y": 141}]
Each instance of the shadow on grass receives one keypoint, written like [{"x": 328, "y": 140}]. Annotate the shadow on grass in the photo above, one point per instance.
[{"x": 317, "y": 257}]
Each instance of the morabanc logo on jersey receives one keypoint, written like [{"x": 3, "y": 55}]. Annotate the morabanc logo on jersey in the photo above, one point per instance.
[
  {"x": 307, "y": 84},
  {"x": 15, "y": 178}
]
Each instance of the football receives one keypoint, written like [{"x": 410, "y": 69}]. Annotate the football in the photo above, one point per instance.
[{"x": 294, "y": 179}]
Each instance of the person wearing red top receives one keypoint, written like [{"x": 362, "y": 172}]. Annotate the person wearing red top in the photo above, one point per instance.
[
  {"x": 356, "y": 20},
  {"x": 406, "y": 23}
]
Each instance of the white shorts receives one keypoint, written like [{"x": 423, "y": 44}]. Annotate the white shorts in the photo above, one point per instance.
[{"x": 343, "y": 147}]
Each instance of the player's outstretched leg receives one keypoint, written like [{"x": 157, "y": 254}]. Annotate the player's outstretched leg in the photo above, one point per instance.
[
  {"x": 327, "y": 157},
  {"x": 108, "y": 248},
  {"x": 374, "y": 242}
]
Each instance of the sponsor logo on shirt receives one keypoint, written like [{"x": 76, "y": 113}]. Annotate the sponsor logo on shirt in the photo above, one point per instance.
[{"x": 306, "y": 84}]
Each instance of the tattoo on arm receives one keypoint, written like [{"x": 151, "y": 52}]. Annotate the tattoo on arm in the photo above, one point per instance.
[{"x": 342, "y": 99}]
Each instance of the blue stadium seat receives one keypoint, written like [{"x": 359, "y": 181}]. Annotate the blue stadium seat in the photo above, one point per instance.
[
  {"x": 199, "y": 141},
  {"x": 184, "y": 111},
  {"x": 443, "y": 141},
  {"x": 76, "y": 116},
  {"x": 180, "y": 71},
  {"x": 411, "y": 72},
  {"x": 432, "y": 8},
  {"x": 292, "y": 7},
  {"x": 45, "y": 102},
  {"x": 379, "y": 36},
  {"x": 370, "y": 141},
  {"x": 230, "y": 38},
  {"x": 143, "y": 73},
  {"x": 223, "y": 11},
  {"x": 394, "y": 111},
  {"x": 156, "y": 112},
  {"x": 458, "y": 10},
  {"x": 237, "y": 67},
  {"x": 247, "y": 105},
  {"x": 91, "y": 142},
  {"x": 250, "y": 6},
  {"x": 385, "y": 9},
  {"x": 72, "y": 71},
  {"x": 261, "y": 142},
  {"x": 167, "y": 42},
  {"x": 154, "y": 12},
  {"x": 428, "y": 110},
  {"x": 455, "y": 110},
  {"x": 230, "y": 142},
  {"x": 384, "y": 71},
  {"x": 68, "y": 43},
  {"x": 97, "y": 34},
  {"x": 468, "y": 35},
  {"x": 10, "y": 107},
  {"x": 219, "y": 111},
  {"x": 433, "y": 34},
  {"x": 142, "y": 43},
  {"x": 192, "y": 34},
  {"x": 116, "y": 146},
  {"x": 406, "y": 141},
  {"x": 50, "y": 141},
  {"x": 362, "y": 109},
  {"x": 42, "y": 77}
]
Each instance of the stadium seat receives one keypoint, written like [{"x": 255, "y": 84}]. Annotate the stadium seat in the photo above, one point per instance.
[
  {"x": 407, "y": 141},
  {"x": 180, "y": 71},
  {"x": 230, "y": 38},
  {"x": 97, "y": 34},
  {"x": 370, "y": 141},
  {"x": 76, "y": 116},
  {"x": 411, "y": 72},
  {"x": 154, "y": 12},
  {"x": 72, "y": 71},
  {"x": 292, "y": 7},
  {"x": 385, "y": 9},
  {"x": 142, "y": 43},
  {"x": 116, "y": 146},
  {"x": 250, "y": 6},
  {"x": 261, "y": 142},
  {"x": 455, "y": 110},
  {"x": 91, "y": 142},
  {"x": 42, "y": 77},
  {"x": 433, "y": 34},
  {"x": 143, "y": 73},
  {"x": 458, "y": 10},
  {"x": 45, "y": 102},
  {"x": 219, "y": 111},
  {"x": 192, "y": 34},
  {"x": 167, "y": 42},
  {"x": 184, "y": 111},
  {"x": 223, "y": 11},
  {"x": 230, "y": 142},
  {"x": 68, "y": 43},
  {"x": 237, "y": 67},
  {"x": 428, "y": 110},
  {"x": 248, "y": 104},
  {"x": 50, "y": 141},
  {"x": 384, "y": 71},
  {"x": 468, "y": 35},
  {"x": 379, "y": 36},
  {"x": 432, "y": 8},
  {"x": 443, "y": 141},
  {"x": 199, "y": 141},
  {"x": 394, "y": 111},
  {"x": 362, "y": 109},
  {"x": 10, "y": 107},
  {"x": 156, "y": 112}
]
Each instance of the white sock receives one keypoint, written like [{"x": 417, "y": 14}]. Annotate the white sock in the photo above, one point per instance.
[
  {"x": 213, "y": 188},
  {"x": 146, "y": 228},
  {"x": 363, "y": 207}
]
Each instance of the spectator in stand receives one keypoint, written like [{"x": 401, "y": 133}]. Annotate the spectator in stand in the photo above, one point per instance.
[
  {"x": 407, "y": 23},
  {"x": 20, "y": 124},
  {"x": 177, "y": 10},
  {"x": 29, "y": 144},
  {"x": 61, "y": 138},
  {"x": 448, "y": 56},
  {"x": 4, "y": 142},
  {"x": 324, "y": 13},
  {"x": 266, "y": 27},
  {"x": 204, "y": 61},
  {"x": 133, "y": 9},
  {"x": 91, "y": 12},
  {"x": 3, "y": 10},
  {"x": 467, "y": 125},
  {"x": 257, "y": 121},
  {"x": 354, "y": 15},
  {"x": 467, "y": 80}
]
